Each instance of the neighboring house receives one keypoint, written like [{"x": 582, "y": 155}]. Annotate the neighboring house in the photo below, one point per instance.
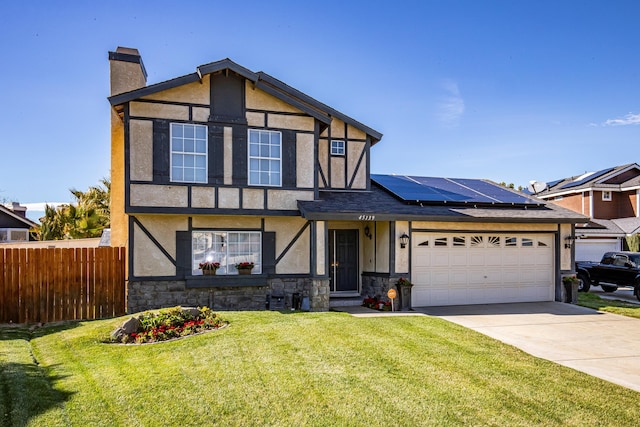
[
  {"x": 610, "y": 198},
  {"x": 230, "y": 165},
  {"x": 14, "y": 224}
]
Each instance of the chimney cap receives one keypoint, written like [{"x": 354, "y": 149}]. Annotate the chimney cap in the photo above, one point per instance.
[{"x": 128, "y": 54}]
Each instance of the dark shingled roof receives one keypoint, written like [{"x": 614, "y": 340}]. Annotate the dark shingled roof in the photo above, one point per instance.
[{"x": 384, "y": 207}]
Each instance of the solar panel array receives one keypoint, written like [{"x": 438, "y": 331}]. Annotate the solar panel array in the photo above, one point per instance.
[
  {"x": 587, "y": 178},
  {"x": 450, "y": 190}
]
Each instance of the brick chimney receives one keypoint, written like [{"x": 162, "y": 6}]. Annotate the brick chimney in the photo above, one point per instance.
[{"x": 127, "y": 70}]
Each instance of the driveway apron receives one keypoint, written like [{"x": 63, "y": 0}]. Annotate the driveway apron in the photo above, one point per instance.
[{"x": 600, "y": 344}]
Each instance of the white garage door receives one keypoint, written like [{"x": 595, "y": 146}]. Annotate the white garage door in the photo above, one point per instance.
[
  {"x": 481, "y": 268},
  {"x": 593, "y": 249}
]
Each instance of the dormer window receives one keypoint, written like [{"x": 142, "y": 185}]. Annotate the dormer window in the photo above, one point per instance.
[
  {"x": 606, "y": 196},
  {"x": 337, "y": 148}
]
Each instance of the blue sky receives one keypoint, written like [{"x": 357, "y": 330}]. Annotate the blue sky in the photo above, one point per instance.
[{"x": 503, "y": 90}]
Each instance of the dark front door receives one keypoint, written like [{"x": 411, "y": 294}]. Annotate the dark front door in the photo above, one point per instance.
[{"x": 343, "y": 260}]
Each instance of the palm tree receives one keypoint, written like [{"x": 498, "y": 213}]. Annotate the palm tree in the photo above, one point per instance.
[{"x": 85, "y": 218}]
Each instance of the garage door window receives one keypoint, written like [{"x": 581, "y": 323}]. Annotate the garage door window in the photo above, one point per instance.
[
  {"x": 511, "y": 242},
  {"x": 527, "y": 243},
  {"x": 459, "y": 242},
  {"x": 477, "y": 241},
  {"x": 493, "y": 242},
  {"x": 440, "y": 241}
]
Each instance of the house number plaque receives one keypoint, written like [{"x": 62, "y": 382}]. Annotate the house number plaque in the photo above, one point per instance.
[{"x": 367, "y": 217}]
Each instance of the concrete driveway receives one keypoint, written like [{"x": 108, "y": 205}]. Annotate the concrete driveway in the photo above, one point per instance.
[{"x": 600, "y": 344}]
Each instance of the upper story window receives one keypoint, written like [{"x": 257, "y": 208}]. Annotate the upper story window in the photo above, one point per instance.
[
  {"x": 606, "y": 196},
  {"x": 337, "y": 148},
  {"x": 265, "y": 157},
  {"x": 188, "y": 153}
]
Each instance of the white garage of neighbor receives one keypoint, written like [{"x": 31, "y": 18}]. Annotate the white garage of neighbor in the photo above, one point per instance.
[{"x": 481, "y": 268}]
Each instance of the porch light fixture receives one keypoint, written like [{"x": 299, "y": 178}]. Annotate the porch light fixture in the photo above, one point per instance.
[
  {"x": 367, "y": 232},
  {"x": 404, "y": 239},
  {"x": 568, "y": 241}
]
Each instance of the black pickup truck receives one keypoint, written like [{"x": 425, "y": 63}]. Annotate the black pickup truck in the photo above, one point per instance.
[{"x": 615, "y": 269}]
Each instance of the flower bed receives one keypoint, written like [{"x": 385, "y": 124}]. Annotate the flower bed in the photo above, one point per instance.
[
  {"x": 167, "y": 324},
  {"x": 377, "y": 303}
]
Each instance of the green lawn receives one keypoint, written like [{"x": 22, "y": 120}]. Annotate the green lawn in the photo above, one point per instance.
[
  {"x": 291, "y": 369},
  {"x": 610, "y": 306}
]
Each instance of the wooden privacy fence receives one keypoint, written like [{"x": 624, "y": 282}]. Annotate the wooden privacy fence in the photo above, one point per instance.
[{"x": 53, "y": 284}]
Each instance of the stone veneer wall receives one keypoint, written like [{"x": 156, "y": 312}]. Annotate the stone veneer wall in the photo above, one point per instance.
[
  {"x": 152, "y": 294},
  {"x": 373, "y": 285}
]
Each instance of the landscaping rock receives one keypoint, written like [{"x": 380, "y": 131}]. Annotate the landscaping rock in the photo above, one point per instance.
[
  {"x": 193, "y": 311},
  {"x": 127, "y": 328}
]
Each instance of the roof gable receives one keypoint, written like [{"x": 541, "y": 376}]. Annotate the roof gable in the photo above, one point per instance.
[
  {"x": 620, "y": 176},
  {"x": 13, "y": 220},
  {"x": 261, "y": 80}
]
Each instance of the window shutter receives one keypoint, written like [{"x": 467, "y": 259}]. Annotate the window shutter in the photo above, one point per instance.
[
  {"x": 268, "y": 252},
  {"x": 183, "y": 254}
]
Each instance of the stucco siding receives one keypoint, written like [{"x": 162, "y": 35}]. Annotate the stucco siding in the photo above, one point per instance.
[
  {"x": 203, "y": 197},
  {"x": 229, "y": 198},
  {"x": 200, "y": 114},
  {"x": 257, "y": 99},
  {"x": 149, "y": 260},
  {"x": 192, "y": 93},
  {"x": 304, "y": 160},
  {"x": 159, "y": 111},
  {"x": 337, "y": 172},
  {"x": 226, "y": 222},
  {"x": 290, "y": 122},
  {"x": 297, "y": 257},
  {"x": 252, "y": 198},
  {"x": 354, "y": 150},
  {"x": 286, "y": 200},
  {"x": 141, "y": 150},
  {"x": 255, "y": 119},
  {"x": 354, "y": 133},
  {"x": 159, "y": 195}
]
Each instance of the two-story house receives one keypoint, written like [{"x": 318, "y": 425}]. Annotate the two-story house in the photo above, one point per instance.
[
  {"x": 610, "y": 198},
  {"x": 233, "y": 166}
]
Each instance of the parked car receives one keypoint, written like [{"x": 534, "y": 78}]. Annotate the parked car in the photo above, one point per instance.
[{"x": 615, "y": 269}]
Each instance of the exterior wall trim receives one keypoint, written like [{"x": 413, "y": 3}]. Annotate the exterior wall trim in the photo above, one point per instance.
[
  {"x": 293, "y": 241},
  {"x": 154, "y": 240}
]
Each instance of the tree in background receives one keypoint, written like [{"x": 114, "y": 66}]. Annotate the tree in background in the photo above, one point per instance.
[
  {"x": 85, "y": 218},
  {"x": 633, "y": 242}
]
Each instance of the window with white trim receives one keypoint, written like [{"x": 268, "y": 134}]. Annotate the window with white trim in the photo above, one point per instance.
[
  {"x": 337, "y": 148},
  {"x": 14, "y": 235},
  {"x": 606, "y": 196},
  {"x": 265, "y": 157},
  {"x": 228, "y": 248},
  {"x": 188, "y": 153}
]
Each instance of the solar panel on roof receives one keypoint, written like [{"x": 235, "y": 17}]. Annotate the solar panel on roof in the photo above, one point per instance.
[
  {"x": 448, "y": 190},
  {"x": 588, "y": 178},
  {"x": 495, "y": 192},
  {"x": 556, "y": 182}
]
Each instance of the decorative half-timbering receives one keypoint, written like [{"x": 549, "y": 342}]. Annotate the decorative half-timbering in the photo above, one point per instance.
[{"x": 232, "y": 189}]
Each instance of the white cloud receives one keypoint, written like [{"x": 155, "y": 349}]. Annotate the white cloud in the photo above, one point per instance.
[
  {"x": 451, "y": 105},
  {"x": 39, "y": 206},
  {"x": 629, "y": 119}
]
